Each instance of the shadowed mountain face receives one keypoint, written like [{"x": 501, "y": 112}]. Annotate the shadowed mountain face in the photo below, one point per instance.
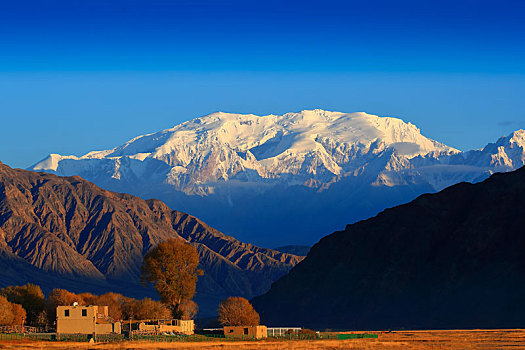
[
  {"x": 454, "y": 259},
  {"x": 69, "y": 233}
]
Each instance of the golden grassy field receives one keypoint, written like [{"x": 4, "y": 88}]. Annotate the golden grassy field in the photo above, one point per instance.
[{"x": 410, "y": 340}]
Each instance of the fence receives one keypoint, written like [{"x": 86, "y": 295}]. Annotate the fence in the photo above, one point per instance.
[
  {"x": 11, "y": 336},
  {"x": 104, "y": 338},
  {"x": 177, "y": 338},
  {"x": 320, "y": 336},
  {"x": 20, "y": 329},
  {"x": 277, "y": 331},
  {"x": 356, "y": 336},
  {"x": 283, "y": 337}
]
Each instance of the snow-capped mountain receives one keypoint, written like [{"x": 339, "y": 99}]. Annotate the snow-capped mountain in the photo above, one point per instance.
[
  {"x": 507, "y": 154},
  {"x": 258, "y": 177},
  {"x": 291, "y": 149}
]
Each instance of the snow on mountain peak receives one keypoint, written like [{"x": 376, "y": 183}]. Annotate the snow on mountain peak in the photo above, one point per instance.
[
  {"x": 51, "y": 162},
  {"x": 246, "y": 131},
  {"x": 508, "y": 152},
  {"x": 516, "y": 138},
  {"x": 289, "y": 148}
]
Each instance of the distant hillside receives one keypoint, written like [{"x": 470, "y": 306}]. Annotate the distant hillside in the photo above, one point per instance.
[
  {"x": 455, "y": 259},
  {"x": 300, "y": 250},
  {"x": 69, "y": 233}
]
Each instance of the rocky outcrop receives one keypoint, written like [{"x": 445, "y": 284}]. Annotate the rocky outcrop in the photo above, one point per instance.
[
  {"x": 70, "y": 228},
  {"x": 454, "y": 259}
]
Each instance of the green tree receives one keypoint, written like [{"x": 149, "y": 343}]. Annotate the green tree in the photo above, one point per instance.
[
  {"x": 31, "y": 298},
  {"x": 172, "y": 268},
  {"x": 237, "y": 311}
]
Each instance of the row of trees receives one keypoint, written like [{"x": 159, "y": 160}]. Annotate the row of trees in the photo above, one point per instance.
[
  {"x": 120, "y": 307},
  {"x": 172, "y": 268},
  {"x": 28, "y": 302}
]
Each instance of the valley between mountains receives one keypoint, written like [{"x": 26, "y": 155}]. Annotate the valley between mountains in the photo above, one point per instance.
[
  {"x": 283, "y": 181},
  {"x": 65, "y": 232}
]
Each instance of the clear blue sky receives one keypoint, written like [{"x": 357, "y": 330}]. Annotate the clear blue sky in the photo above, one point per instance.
[{"x": 79, "y": 75}]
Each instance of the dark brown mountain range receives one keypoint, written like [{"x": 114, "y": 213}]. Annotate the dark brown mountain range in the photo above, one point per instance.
[
  {"x": 67, "y": 232},
  {"x": 455, "y": 259}
]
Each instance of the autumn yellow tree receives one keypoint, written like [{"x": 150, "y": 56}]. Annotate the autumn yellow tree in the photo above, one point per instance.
[
  {"x": 188, "y": 309},
  {"x": 115, "y": 303},
  {"x": 31, "y": 298},
  {"x": 87, "y": 299},
  {"x": 60, "y": 297},
  {"x": 237, "y": 311},
  {"x": 145, "y": 309},
  {"x": 172, "y": 268},
  {"x": 11, "y": 314}
]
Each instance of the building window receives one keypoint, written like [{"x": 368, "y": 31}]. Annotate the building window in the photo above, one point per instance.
[
  {"x": 246, "y": 331},
  {"x": 66, "y": 313},
  {"x": 84, "y": 312}
]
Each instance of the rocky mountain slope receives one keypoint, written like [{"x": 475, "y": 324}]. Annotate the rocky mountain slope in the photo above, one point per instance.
[
  {"x": 325, "y": 169},
  {"x": 68, "y": 232},
  {"x": 448, "y": 260}
]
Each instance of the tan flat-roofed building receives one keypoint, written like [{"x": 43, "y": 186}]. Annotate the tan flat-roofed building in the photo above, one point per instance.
[
  {"x": 247, "y": 332},
  {"x": 91, "y": 319},
  {"x": 160, "y": 326},
  {"x": 163, "y": 326}
]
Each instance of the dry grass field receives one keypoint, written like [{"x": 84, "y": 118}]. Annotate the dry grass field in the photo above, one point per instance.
[{"x": 409, "y": 340}]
